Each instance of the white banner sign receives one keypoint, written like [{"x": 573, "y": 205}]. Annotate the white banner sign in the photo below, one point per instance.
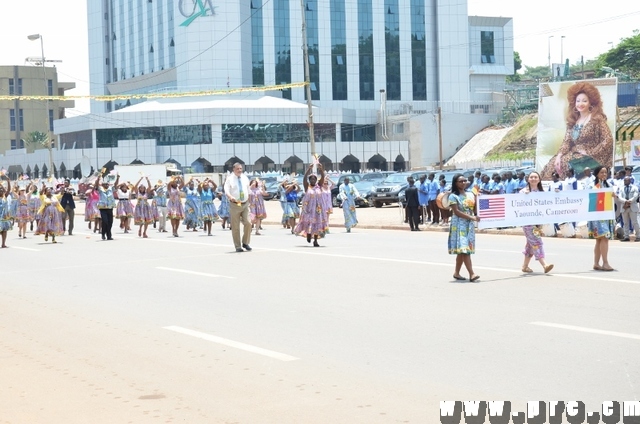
[{"x": 544, "y": 207}]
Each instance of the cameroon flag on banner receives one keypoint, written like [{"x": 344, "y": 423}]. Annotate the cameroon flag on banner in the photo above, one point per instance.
[{"x": 600, "y": 202}]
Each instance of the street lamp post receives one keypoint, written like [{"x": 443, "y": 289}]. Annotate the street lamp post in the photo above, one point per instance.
[
  {"x": 562, "y": 50},
  {"x": 34, "y": 37},
  {"x": 549, "y": 53}
]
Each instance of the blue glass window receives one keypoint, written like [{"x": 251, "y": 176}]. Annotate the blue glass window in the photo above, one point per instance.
[
  {"x": 282, "y": 44},
  {"x": 257, "y": 42},
  {"x": 392, "y": 48},
  {"x": 365, "y": 50},
  {"x": 418, "y": 50},
  {"x": 338, "y": 50}
]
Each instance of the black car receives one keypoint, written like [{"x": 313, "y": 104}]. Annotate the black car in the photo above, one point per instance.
[
  {"x": 387, "y": 192},
  {"x": 365, "y": 187}
]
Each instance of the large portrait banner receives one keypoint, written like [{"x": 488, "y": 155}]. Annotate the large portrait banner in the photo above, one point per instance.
[{"x": 576, "y": 124}]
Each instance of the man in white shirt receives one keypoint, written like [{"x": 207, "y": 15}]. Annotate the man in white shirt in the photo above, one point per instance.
[
  {"x": 628, "y": 205},
  {"x": 236, "y": 188},
  {"x": 570, "y": 182}
]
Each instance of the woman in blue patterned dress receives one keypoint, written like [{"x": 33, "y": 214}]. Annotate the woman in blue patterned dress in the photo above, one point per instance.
[
  {"x": 348, "y": 195},
  {"x": 313, "y": 217},
  {"x": 462, "y": 233},
  {"x": 5, "y": 219},
  {"x": 192, "y": 206},
  {"x": 257, "y": 211},
  {"x": 208, "y": 212},
  {"x": 142, "y": 215},
  {"x": 292, "y": 211},
  {"x": 534, "y": 245},
  {"x": 223, "y": 210},
  {"x": 603, "y": 230}
]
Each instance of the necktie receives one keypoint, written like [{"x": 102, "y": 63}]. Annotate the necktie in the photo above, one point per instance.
[
  {"x": 240, "y": 188},
  {"x": 626, "y": 189}
]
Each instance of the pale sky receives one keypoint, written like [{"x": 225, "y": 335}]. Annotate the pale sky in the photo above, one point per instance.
[{"x": 588, "y": 31}]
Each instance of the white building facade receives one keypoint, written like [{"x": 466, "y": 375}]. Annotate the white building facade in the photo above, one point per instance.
[{"x": 372, "y": 63}]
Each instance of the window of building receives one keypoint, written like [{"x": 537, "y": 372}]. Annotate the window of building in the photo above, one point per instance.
[
  {"x": 19, "y": 86},
  {"x": 12, "y": 119},
  {"x": 51, "y": 120},
  {"x": 338, "y": 50},
  {"x": 392, "y": 48},
  {"x": 14, "y": 145},
  {"x": 365, "y": 49},
  {"x": 50, "y": 87},
  {"x": 257, "y": 43},
  {"x": 11, "y": 87},
  {"x": 487, "y": 48},
  {"x": 21, "y": 119},
  {"x": 398, "y": 128}
]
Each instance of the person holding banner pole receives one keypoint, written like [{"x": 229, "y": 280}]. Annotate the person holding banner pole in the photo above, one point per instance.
[
  {"x": 534, "y": 245},
  {"x": 602, "y": 230},
  {"x": 462, "y": 233}
]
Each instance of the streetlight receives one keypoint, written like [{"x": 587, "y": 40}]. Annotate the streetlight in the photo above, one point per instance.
[
  {"x": 549, "y": 53},
  {"x": 561, "y": 50},
  {"x": 34, "y": 37}
]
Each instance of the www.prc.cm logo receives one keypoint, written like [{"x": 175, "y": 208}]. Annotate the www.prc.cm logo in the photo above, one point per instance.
[{"x": 194, "y": 9}]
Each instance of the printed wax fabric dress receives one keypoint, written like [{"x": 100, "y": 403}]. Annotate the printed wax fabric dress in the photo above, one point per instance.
[
  {"x": 142, "y": 214},
  {"x": 602, "y": 228},
  {"x": 5, "y": 218},
  {"x": 462, "y": 233},
  {"x": 256, "y": 205},
  {"x": 313, "y": 216},
  {"x": 175, "y": 210},
  {"x": 192, "y": 208},
  {"x": 51, "y": 221},
  {"x": 208, "y": 212}
]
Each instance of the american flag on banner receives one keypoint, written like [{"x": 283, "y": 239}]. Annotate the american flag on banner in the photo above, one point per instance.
[{"x": 491, "y": 207}]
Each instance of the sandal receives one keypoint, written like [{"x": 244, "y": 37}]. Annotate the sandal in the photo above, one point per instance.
[
  {"x": 548, "y": 268},
  {"x": 459, "y": 278},
  {"x": 608, "y": 268},
  {"x": 474, "y": 278},
  {"x": 527, "y": 270},
  {"x": 597, "y": 268}
]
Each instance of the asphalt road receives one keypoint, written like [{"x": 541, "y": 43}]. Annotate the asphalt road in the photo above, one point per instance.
[{"x": 368, "y": 328}]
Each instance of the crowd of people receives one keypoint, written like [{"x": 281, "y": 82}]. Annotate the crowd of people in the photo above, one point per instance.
[{"x": 242, "y": 205}]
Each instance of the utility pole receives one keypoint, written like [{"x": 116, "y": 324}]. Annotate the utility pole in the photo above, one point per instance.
[
  {"x": 440, "y": 135},
  {"x": 307, "y": 80}
]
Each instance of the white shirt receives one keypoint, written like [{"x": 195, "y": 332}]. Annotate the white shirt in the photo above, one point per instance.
[{"x": 232, "y": 187}]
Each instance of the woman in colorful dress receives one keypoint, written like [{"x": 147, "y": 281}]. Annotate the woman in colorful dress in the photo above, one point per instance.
[
  {"x": 208, "y": 212},
  {"x": 348, "y": 195},
  {"x": 91, "y": 212},
  {"x": 257, "y": 210},
  {"x": 34, "y": 207},
  {"x": 223, "y": 210},
  {"x": 533, "y": 233},
  {"x": 603, "y": 230},
  {"x": 444, "y": 188},
  {"x": 124, "y": 210},
  {"x": 51, "y": 221},
  {"x": 282, "y": 198},
  {"x": 313, "y": 217},
  {"x": 462, "y": 233},
  {"x": 142, "y": 215},
  {"x": 292, "y": 211},
  {"x": 5, "y": 219},
  {"x": 22, "y": 211},
  {"x": 327, "y": 186},
  {"x": 192, "y": 206},
  {"x": 175, "y": 210}
]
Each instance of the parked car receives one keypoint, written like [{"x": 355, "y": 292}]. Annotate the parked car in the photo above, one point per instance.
[
  {"x": 388, "y": 190},
  {"x": 365, "y": 187},
  {"x": 273, "y": 190}
]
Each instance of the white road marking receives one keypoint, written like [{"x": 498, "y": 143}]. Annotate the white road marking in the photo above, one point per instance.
[
  {"x": 588, "y": 330},
  {"x": 232, "y": 343},
  {"x": 186, "y": 271},
  {"x": 24, "y": 248}
]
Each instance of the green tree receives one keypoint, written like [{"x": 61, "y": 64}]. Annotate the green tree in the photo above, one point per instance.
[
  {"x": 517, "y": 65},
  {"x": 625, "y": 57},
  {"x": 37, "y": 139},
  {"x": 537, "y": 72}
]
